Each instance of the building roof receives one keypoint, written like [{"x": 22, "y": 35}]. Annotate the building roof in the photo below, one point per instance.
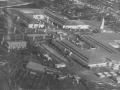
[
  {"x": 63, "y": 21},
  {"x": 61, "y": 58},
  {"x": 55, "y": 17},
  {"x": 92, "y": 23},
  {"x": 115, "y": 57},
  {"x": 76, "y": 48},
  {"x": 36, "y": 67},
  {"x": 107, "y": 36},
  {"x": 87, "y": 57},
  {"x": 95, "y": 24},
  {"x": 82, "y": 55},
  {"x": 99, "y": 56},
  {"x": 102, "y": 41},
  {"x": 75, "y": 22},
  {"x": 90, "y": 57},
  {"x": 31, "y": 12},
  {"x": 60, "y": 19},
  {"x": 16, "y": 42},
  {"x": 27, "y": 14},
  {"x": 13, "y": 37}
]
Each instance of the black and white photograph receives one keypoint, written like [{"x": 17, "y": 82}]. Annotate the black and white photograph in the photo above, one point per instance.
[{"x": 59, "y": 44}]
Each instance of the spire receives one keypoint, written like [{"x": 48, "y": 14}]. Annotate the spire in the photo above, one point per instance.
[
  {"x": 2, "y": 40},
  {"x": 61, "y": 38},
  {"x": 14, "y": 29},
  {"x": 102, "y": 24}
]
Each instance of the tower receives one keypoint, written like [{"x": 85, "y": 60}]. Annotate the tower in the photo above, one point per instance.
[{"x": 102, "y": 24}]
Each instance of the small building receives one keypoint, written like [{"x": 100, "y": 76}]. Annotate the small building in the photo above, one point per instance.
[
  {"x": 41, "y": 68},
  {"x": 39, "y": 37},
  {"x": 75, "y": 24},
  {"x": 36, "y": 67},
  {"x": 98, "y": 64},
  {"x": 61, "y": 65},
  {"x": 47, "y": 57},
  {"x": 62, "y": 77},
  {"x": 11, "y": 45},
  {"x": 107, "y": 74},
  {"x": 114, "y": 44},
  {"x": 101, "y": 75},
  {"x": 36, "y": 25},
  {"x": 33, "y": 31},
  {"x": 13, "y": 37}
]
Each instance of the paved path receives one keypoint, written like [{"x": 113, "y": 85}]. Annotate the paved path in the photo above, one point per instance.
[{"x": 4, "y": 84}]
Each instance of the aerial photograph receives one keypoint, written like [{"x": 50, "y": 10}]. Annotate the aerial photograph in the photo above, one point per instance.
[{"x": 59, "y": 44}]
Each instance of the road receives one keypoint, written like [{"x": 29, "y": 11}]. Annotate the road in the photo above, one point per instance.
[{"x": 4, "y": 84}]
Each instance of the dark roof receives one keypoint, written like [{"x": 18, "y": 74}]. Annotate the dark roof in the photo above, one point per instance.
[
  {"x": 87, "y": 57},
  {"x": 27, "y": 14},
  {"x": 54, "y": 16},
  {"x": 73, "y": 48},
  {"x": 23, "y": 16},
  {"x": 13, "y": 37},
  {"x": 76, "y": 49},
  {"x": 72, "y": 22}
]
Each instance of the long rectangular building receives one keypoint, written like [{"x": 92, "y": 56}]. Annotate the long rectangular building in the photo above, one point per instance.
[
  {"x": 29, "y": 17},
  {"x": 55, "y": 19},
  {"x": 107, "y": 42},
  {"x": 40, "y": 68},
  {"x": 65, "y": 23},
  {"x": 78, "y": 55}
]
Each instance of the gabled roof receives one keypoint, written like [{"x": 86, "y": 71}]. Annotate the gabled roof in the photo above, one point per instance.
[
  {"x": 100, "y": 41},
  {"x": 55, "y": 17},
  {"x": 75, "y": 22},
  {"x": 36, "y": 66},
  {"x": 92, "y": 23},
  {"x": 27, "y": 14}
]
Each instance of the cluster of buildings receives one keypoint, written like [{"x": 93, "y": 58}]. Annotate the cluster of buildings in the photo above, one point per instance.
[{"x": 61, "y": 47}]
